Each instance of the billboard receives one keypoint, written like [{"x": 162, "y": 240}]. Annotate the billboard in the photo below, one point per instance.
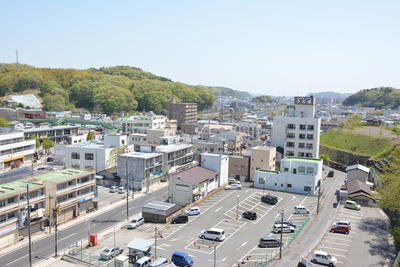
[{"x": 304, "y": 100}]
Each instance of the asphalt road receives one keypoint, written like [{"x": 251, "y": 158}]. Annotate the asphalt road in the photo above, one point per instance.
[{"x": 44, "y": 248}]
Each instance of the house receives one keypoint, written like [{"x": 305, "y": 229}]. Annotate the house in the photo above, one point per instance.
[
  {"x": 191, "y": 184},
  {"x": 360, "y": 192},
  {"x": 296, "y": 175},
  {"x": 239, "y": 167},
  {"x": 358, "y": 172},
  {"x": 218, "y": 163},
  {"x": 262, "y": 157}
]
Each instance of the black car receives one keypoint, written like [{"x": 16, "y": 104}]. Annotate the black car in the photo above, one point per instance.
[
  {"x": 182, "y": 218},
  {"x": 285, "y": 222},
  {"x": 269, "y": 199},
  {"x": 250, "y": 215},
  {"x": 269, "y": 242},
  {"x": 331, "y": 173}
]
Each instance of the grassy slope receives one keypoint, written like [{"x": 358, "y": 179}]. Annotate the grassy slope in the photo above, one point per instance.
[{"x": 361, "y": 144}]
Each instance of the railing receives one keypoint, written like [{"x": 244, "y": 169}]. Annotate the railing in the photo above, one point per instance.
[{"x": 77, "y": 251}]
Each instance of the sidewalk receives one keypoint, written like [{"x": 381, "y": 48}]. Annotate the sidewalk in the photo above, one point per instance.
[{"x": 39, "y": 235}]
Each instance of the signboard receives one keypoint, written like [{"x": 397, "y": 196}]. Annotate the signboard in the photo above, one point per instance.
[{"x": 304, "y": 100}]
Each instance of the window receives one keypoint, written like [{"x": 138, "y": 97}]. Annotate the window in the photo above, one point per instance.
[
  {"x": 301, "y": 145},
  {"x": 302, "y": 126},
  {"x": 75, "y": 155},
  {"x": 307, "y": 189},
  {"x": 289, "y": 153},
  {"x": 290, "y": 144},
  {"x": 286, "y": 169},
  {"x": 310, "y": 136},
  {"x": 75, "y": 166},
  {"x": 290, "y": 135},
  {"x": 302, "y": 169},
  {"x": 289, "y": 185},
  {"x": 291, "y": 126},
  {"x": 276, "y": 184},
  {"x": 309, "y": 155},
  {"x": 310, "y": 127},
  {"x": 294, "y": 170},
  {"x": 89, "y": 156},
  {"x": 261, "y": 180},
  {"x": 302, "y": 136},
  {"x": 300, "y": 154},
  {"x": 3, "y": 218},
  {"x": 309, "y": 146},
  {"x": 89, "y": 168},
  {"x": 281, "y": 185},
  {"x": 11, "y": 215},
  {"x": 310, "y": 170},
  {"x": 2, "y": 203},
  {"x": 11, "y": 200}
]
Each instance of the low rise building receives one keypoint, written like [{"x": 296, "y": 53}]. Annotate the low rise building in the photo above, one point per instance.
[
  {"x": 143, "y": 122},
  {"x": 192, "y": 184},
  {"x": 176, "y": 157},
  {"x": 358, "y": 172},
  {"x": 142, "y": 169},
  {"x": 55, "y": 133},
  {"x": 239, "y": 167},
  {"x": 262, "y": 157},
  {"x": 218, "y": 163},
  {"x": 297, "y": 175},
  {"x": 14, "y": 149},
  {"x": 250, "y": 128}
]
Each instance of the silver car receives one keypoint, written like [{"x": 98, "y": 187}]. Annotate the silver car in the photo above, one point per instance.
[{"x": 110, "y": 252}]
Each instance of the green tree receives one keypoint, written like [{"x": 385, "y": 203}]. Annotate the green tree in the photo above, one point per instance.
[
  {"x": 90, "y": 135},
  {"x": 47, "y": 144},
  {"x": 395, "y": 130},
  {"x": 353, "y": 121},
  {"x": 4, "y": 122},
  {"x": 326, "y": 159},
  {"x": 113, "y": 158},
  {"x": 37, "y": 143}
]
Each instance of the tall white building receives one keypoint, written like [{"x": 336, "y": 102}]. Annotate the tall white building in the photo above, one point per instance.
[
  {"x": 218, "y": 163},
  {"x": 298, "y": 132},
  {"x": 143, "y": 122}
]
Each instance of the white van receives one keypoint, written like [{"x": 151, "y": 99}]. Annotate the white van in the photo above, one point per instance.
[
  {"x": 143, "y": 262},
  {"x": 285, "y": 228},
  {"x": 323, "y": 257},
  {"x": 300, "y": 210},
  {"x": 216, "y": 234}
]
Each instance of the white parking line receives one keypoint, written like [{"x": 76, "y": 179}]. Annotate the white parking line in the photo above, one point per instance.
[
  {"x": 336, "y": 243},
  {"x": 326, "y": 247}
]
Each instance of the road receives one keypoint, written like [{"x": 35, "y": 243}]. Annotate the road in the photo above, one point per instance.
[{"x": 44, "y": 248}]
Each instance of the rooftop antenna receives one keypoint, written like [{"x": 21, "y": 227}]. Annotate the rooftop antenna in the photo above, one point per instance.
[{"x": 16, "y": 58}]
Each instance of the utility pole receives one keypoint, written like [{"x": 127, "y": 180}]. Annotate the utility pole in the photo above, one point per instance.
[
  {"x": 215, "y": 256},
  {"x": 155, "y": 242},
  {"x": 29, "y": 225},
  {"x": 16, "y": 58},
  {"x": 127, "y": 188},
  {"x": 50, "y": 214},
  {"x": 114, "y": 236},
  {"x": 56, "y": 231},
  {"x": 280, "y": 245},
  {"x": 237, "y": 207},
  {"x": 319, "y": 195}
]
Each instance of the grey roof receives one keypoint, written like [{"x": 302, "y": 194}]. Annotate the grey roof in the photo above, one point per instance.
[
  {"x": 172, "y": 148},
  {"x": 359, "y": 167},
  {"x": 356, "y": 186},
  {"x": 158, "y": 205},
  {"x": 196, "y": 175},
  {"x": 140, "y": 244},
  {"x": 39, "y": 129},
  {"x": 141, "y": 155}
]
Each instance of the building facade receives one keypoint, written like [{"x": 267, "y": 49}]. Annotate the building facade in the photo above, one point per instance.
[
  {"x": 262, "y": 158},
  {"x": 296, "y": 175},
  {"x": 218, "y": 163},
  {"x": 55, "y": 133},
  {"x": 182, "y": 112},
  {"x": 239, "y": 167},
  {"x": 14, "y": 149},
  {"x": 143, "y": 122},
  {"x": 298, "y": 132},
  {"x": 176, "y": 157}
]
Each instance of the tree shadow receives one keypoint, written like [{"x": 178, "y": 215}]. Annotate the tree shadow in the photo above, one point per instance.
[{"x": 378, "y": 230}]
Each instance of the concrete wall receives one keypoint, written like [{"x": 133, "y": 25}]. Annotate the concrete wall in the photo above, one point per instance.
[
  {"x": 263, "y": 159},
  {"x": 136, "y": 171},
  {"x": 239, "y": 166},
  {"x": 344, "y": 157},
  {"x": 218, "y": 163}
]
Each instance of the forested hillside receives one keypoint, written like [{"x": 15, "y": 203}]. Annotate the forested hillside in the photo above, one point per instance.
[
  {"x": 224, "y": 91},
  {"x": 106, "y": 90},
  {"x": 382, "y": 97}
]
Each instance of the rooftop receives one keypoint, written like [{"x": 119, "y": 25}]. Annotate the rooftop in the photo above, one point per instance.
[
  {"x": 311, "y": 160},
  {"x": 141, "y": 155},
  {"x": 172, "y": 147},
  {"x": 195, "y": 175},
  {"x": 88, "y": 144},
  {"x": 61, "y": 175},
  {"x": 18, "y": 186},
  {"x": 358, "y": 167},
  {"x": 47, "y": 128},
  {"x": 158, "y": 205},
  {"x": 266, "y": 148},
  {"x": 268, "y": 171}
]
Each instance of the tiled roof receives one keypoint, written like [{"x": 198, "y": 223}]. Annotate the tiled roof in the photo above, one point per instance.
[{"x": 196, "y": 175}]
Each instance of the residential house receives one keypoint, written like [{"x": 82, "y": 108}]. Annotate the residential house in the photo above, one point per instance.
[{"x": 358, "y": 172}]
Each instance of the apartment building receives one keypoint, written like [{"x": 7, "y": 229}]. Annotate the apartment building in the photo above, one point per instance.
[
  {"x": 252, "y": 129},
  {"x": 14, "y": 149},
  {"x": 14, "y": 210},
  {"x": 143, "y": 122},
  {"x": 142, "y": 169},
  {"x": 262, "y": 157},
  {"x": 298, "y": 132},
  {"x": 296, "y": 175},
  {"x": 176, "y": 157},
  {"x": 182, "y": 112},
  {"x": 69, "y": 191},
  {"x": 55, "y": 133},
  {"x": 93, "y": 156}
]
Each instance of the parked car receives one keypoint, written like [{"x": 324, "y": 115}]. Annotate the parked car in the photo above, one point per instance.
[
  {"x": 300, "y": 210},
  {"x": 331, "y": 173},
  {"x": 193, "y": 211},
  {"x": 233, "y": 181},
  {"x": 121, "y": 190},
  {"x": 343, "y": 229},
  {"x": 286, "y": 222},
  {"x": 233, "y": 187},
  {"x": 346, "y": 180},
  {"x": 181, "y": 218},
  {"x": 277, "y": 228},
  {"x": 142, "y": 262},
  {"x": 215, "y": 234},
  {"x": 343, "y": 187},
  {"x": 113, "y": 189},
  {"x": 323, "y": 257},
  {"x": 250, "y": 215},
  {"x": 135, "y": 223},
  {"x": 343, "y": 223},
  {"x": 110, "y": 252},
  {"x": 350, "y": 204},
  {"x": 160, "y": 262},
  {"x": 181, "y": 259},
  {"x": 269, "y": 242},
  {"x": 269, "y": 199}
]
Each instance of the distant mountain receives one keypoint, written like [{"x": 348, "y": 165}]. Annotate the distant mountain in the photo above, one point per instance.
[
  {"x": 382, "y": 97},
  {"x": 225, "y": 91},
  {"x": 330, "y": 94}
]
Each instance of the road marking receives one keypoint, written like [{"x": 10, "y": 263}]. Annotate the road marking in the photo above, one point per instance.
[
  {"x": 219, "y": 209},
  {"x": 65, "y": 237},
  {"x": 242, "y": 245},
  {"x": 326, "y": 247},
  {"x": 20, "y": 258}
]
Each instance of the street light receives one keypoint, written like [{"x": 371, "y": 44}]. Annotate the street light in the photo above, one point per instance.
[
  {"x": 237, "y": 207},
  {"x": 319, "y": 194},
  {"x": 280, "y": 245}
]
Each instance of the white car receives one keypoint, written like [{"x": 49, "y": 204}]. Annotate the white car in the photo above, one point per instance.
[
  {"x": 193, "y": 211},
  {"x": 113, "y": 189},
  {"x": 300, "y": 210},
  {"x": 233, "y": 187},
  {"x": 323, "y": 257},
  {"x": 233, "y": 181},
  {"x": 135, "y": 223},
  {"x": 121, "y": 190}
]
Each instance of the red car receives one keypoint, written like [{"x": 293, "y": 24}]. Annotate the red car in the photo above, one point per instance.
[{"x": 343, "y": 229}]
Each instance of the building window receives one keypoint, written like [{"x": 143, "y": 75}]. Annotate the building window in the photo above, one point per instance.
[
  {"x": 302, "y": 136},
  {"x": 302, "y": 126},
  {"x": 276, "y": 184},
  {"x": 286, "y": 169},
  {"x": 2, "y": 203},
  {"x": 281, "y": 185},
  {"x": 89, "y": 168},
  {"x": 290, "y": 144},
  {"x": 290, "y": 135},
  {"x": 294, "y": 170},
  {"x": 310, "y": 170},
  {"x": 302, "y": 169},
  {"x": 307, "y": 189},
  {"x": 75, "y": 166},
  {"x": 310, "y": 127},
  {"x": 308, "y": 155},
  {"x": 300, "y": 154},
  {"x": 75, "y": 155},
  {"x": 291, "y": 126},
  {"x": 309, "y": 146},
  {"x": 289, "y": 185},
  {"x": 11, "y": 215},
  {"x": 89, "y": 156},
  {"x": 261, "y": 180},
  {"x": 301, "y": 145},
  {"x": 11, "y": 200},
  {"x": 3, "y": 218},
  {"x": 289, "y": 153},
  {"x": 310, "y": 136}
]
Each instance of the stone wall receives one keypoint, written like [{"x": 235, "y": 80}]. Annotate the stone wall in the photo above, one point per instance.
[{"x": 343, "y": 157}]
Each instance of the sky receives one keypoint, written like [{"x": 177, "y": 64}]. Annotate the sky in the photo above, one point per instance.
[{"x": 264, "y": 47}]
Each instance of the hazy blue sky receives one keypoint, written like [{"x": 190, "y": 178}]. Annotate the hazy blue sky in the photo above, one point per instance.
[{"x": 270, "y": 47}]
